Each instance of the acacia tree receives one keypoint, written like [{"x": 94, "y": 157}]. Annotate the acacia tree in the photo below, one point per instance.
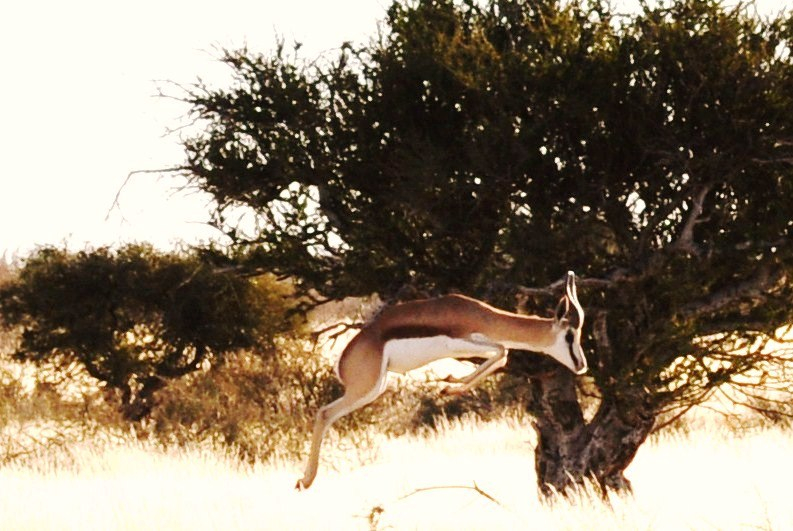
[
  {"x": 484, "y": 147},
  {"x": 135, "y": 318}
]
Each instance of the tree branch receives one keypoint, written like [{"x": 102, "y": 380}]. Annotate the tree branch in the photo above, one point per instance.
[
  {"x": 782, "y": 160},
  {"x": 343, "y": 329},
  {"x": 685, "y": 242},
  {"x": 601, "y": 335},
  {"x": 612, "y": 278},
  {"x": 755, "y": 287}
]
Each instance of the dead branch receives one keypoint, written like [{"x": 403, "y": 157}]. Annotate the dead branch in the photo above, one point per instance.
[
  {"x": 475, "y": 488},
  {"x": 115, "y": 204}
]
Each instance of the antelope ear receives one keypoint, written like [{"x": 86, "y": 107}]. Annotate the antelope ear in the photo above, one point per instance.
[
  {"x": 576, "y": 316},
  {"x": 562, "y": 308}
]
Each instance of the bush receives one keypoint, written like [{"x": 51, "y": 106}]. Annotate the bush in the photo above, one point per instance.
[
  {"x": 135, "y": 318},
  {"x": 265, "y": 406}
]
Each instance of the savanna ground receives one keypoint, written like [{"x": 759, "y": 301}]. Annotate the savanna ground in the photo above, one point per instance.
[
  {"x": 224, "y": 448},
  {"x": 468, "y": 475},
  {"x": 69, "y": 462}
]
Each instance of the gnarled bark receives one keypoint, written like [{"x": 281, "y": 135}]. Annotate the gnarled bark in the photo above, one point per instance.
[{"x": 570, "y": 450}]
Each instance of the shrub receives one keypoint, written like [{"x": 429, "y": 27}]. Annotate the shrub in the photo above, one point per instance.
[
  {"x": 265, "y": 406},
  {"x": 135, "y": 318}
]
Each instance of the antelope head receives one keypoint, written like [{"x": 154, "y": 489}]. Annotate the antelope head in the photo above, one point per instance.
[{"x": 569, "y": 318}]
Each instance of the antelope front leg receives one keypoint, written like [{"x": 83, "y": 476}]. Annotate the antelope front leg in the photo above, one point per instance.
[
  {"x": 473, "y": 379},
  {"x": 451, "y": 379},
  {"x": 481, "y": 372}
]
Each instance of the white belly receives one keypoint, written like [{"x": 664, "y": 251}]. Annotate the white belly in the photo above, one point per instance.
[{"x": 404, "y": 355}]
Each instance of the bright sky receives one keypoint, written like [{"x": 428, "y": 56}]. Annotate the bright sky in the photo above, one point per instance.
[{"x": 79, "y": 112}]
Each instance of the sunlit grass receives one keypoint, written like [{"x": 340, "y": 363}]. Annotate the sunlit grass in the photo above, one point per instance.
[{"x": 468, "y": 476}]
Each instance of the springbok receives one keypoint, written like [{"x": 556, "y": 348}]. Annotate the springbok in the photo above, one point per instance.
[{"x": 410, "y": 335}]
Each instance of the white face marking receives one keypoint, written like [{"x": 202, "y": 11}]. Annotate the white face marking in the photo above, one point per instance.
[
  {"x": 560, "y": 351},
  {"x": 404, "y": 355}
]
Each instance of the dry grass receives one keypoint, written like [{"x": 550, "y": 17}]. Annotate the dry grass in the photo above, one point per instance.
[
  {"x": 76, "y": 471},
  {"x": 707, "y": 479}
]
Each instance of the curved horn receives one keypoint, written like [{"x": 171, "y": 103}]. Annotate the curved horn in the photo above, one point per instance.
[{"x": 577, "y": 317}]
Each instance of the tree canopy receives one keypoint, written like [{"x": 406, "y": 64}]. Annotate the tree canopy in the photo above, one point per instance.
[
  {"x": 487, "y": 147},
  {"x": 136, "y": 318}
]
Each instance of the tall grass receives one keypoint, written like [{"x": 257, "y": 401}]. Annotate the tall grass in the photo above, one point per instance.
[
  {"x": 410, "y": 461},
  {"x": 469, "y": 475}
]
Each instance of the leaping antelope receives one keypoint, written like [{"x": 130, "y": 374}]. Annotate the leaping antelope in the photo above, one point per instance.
[{"x": 410, "y": 335}]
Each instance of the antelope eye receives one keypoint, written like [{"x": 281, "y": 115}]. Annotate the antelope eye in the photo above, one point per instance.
[{"x": 569, "y": 337}]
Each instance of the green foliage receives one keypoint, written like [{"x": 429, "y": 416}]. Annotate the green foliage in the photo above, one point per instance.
[
  {"x": 135, "y": 318},
  {"x": 485, "y": 146}
]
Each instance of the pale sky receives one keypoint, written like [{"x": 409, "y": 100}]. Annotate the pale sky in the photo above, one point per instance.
[{"x": 79, "y": 112}]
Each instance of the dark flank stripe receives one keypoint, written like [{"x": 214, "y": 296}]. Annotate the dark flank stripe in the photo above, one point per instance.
[{"x": 407, "y": 332}]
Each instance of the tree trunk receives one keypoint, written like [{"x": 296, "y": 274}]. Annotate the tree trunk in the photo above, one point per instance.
[
  {"x": 137, "y": 407},
  {"x": 569, "y": 450}
]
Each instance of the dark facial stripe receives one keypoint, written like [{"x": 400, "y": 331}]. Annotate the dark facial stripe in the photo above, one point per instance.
[{"x": 569, "y": 338}]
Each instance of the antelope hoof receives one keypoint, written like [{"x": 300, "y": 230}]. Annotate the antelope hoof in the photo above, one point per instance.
[{"x": 299, "y": 485}]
